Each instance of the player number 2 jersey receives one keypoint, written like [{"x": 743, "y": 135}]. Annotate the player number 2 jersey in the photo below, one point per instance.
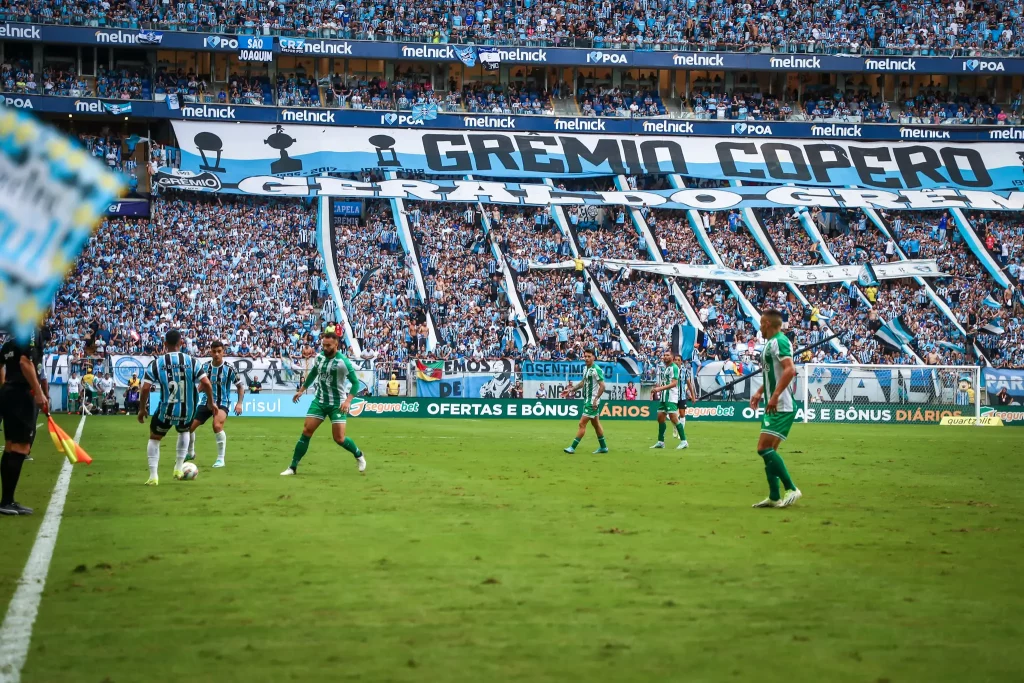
[
  {"x": 669, "y": 373},
  {"x": 176, "y": 374},
  {"x": 334, "y": 378},
  {"x": 775, "y": 349},
  {"x": 592, "y": 376}
]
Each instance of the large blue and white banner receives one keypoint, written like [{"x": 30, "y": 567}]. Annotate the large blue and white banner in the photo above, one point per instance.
[
  {"x": 806, "y": 275},
  {"x": 1011, "y": 380},
  {"x": 231, "y": 153},
  {"x": 526, "y": 194},
  {"x": 471, "y": 379}
]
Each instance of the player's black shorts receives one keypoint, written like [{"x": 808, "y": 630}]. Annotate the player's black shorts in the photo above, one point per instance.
[
  {"x": 18, "y": 411},
  {"x": 203, "y": 413},
  {"x": 682, "y": 407},
  {"x": 161, "y": 427}
]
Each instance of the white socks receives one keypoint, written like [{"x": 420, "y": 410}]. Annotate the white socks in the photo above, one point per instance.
[
  {"x": 153, "y": 456},
  {"x": 222, "y": 444},
  {"x": 192, "y": 443},
  {"x": 181, "y": 449}
]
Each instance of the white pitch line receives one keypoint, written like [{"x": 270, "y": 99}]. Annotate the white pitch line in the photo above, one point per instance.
[{"x": 16, "y": 631}]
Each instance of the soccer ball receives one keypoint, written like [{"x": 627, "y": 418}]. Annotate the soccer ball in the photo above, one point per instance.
[{"x": 189, "y": 471}]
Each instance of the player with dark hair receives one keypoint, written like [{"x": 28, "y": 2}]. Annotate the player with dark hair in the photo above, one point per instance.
[
  {"x": 331, "y": 372},
  {"x": 222, "y": 377},
  {"x": 23, "y": 393},
  {"x": 778, "y": 374},
  {"x": 176, "y": 374},
  {"x": 669, "y": 391},
  {"x": 592, "y": 385}
]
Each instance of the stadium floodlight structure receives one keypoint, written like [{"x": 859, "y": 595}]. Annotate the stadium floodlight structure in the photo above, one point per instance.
[{"x": 833, "y": 392}]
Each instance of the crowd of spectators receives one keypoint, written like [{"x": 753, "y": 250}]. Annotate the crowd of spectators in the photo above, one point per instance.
[
  {"x": 465, "y": 288},
  {"x": 378, "y": 288},
  {"x": 188, "y": 86},
  {"x": 631, "y": 103},
  {"x": 714, "y": 104},
  {"x": 510, "y": 99},
  {"x": 223, "y": 268},
  {"x": 246, "y": 271},
  {"x": 121, "y": 84},
  {"x": 839, "y": 26},
  {"x": 247, "y": 90},
  {"x": 296, "y": 90},
  {"x": 859, "y": 106},
  {"x": 972, "y": 294},
  {"x": 935, "y": 106}
]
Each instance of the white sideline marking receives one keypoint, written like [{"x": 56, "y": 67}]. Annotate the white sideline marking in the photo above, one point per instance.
[{"x": 16, "y": 631}]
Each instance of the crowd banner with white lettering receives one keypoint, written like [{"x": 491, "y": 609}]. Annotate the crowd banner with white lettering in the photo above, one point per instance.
[
  {"x": 525, "y": 194},
  {"x": 274, "y": 374},
  {"x": 997, "y": 379},
  {"x": 781, "y": 273},
  {"x": 232, "y": 153},
  {"x": 465, "y": 378}
]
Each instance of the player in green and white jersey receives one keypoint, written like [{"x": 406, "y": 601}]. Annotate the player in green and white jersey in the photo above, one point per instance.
[
  {"x": 778, "y": 375},
  {"x": 335, "y": 383},
  {"x": 668, "y": 402},
  {"x": 592, "y": 385}
]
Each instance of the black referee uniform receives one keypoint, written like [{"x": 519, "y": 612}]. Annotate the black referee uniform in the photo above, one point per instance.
[{"x": 18, "y": 411}]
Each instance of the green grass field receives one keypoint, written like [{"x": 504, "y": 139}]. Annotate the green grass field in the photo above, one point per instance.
[{"x": 477, "y": 551}]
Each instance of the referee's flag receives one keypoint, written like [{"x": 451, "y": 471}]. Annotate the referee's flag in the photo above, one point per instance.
[{"x": 65, "y": 445}]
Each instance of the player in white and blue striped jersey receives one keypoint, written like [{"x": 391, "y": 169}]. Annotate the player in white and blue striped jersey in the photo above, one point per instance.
[
  {"x": 177, "y": 375},
  {"x": 222, "y": 377}
]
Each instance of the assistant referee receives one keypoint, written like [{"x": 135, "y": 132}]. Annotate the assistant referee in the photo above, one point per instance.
[{"x": 23, "y": 393}]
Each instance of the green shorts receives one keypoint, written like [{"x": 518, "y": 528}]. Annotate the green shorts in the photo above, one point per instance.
[
  {"x": 667, "y": 407},
  {"x": 589, "y": 410},
  {"x": 778, "y": 424},
  {"x": 333, "y": 413}
]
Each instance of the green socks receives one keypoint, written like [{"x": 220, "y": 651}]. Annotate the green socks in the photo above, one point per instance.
[
  {"x": 661, "y": 430},
  {"x": 776, "y": 468},
  {"x": 350, "y": 446},
  {"x": 575, "y": 443},
  {"x": 601, "y": 441},
  {"x": 681, "y": 428},
  {"x": 300, "y": 450},
  {"x": 773, "y": 484}
]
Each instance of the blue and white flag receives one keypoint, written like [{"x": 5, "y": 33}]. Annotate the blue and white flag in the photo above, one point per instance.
[
  {"x": 172, "y": 102},
  {"x": 991, "y": 302},
  {"x": 133, "y": 141},
  {"x": 466, "y": 55},
  {"x": 424, "y": 112},
  {"x": 118, "y": 108},
  {"x": 52, "y": 194},
  {"x": 146, "y": 37},
  {"x": 490, "y": 58},
  {"x": 994, "y": 326},
  {"x": 949, "y": 346}
]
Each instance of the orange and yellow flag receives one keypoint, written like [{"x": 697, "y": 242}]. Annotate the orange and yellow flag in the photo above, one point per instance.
[{"x": 66, "y": 445}]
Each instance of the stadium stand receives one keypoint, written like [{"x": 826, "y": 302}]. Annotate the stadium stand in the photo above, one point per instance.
[
  {"x": 233, "y": 269},
  {"x": 799, "y": 27}
]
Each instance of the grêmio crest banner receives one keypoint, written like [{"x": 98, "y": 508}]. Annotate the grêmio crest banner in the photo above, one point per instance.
[
  {"x": 233, "y": 152},
  {"x": 540, "y": 195}
]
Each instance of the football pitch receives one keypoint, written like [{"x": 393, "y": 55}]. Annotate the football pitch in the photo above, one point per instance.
[{"x": 475, "y": 550}]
